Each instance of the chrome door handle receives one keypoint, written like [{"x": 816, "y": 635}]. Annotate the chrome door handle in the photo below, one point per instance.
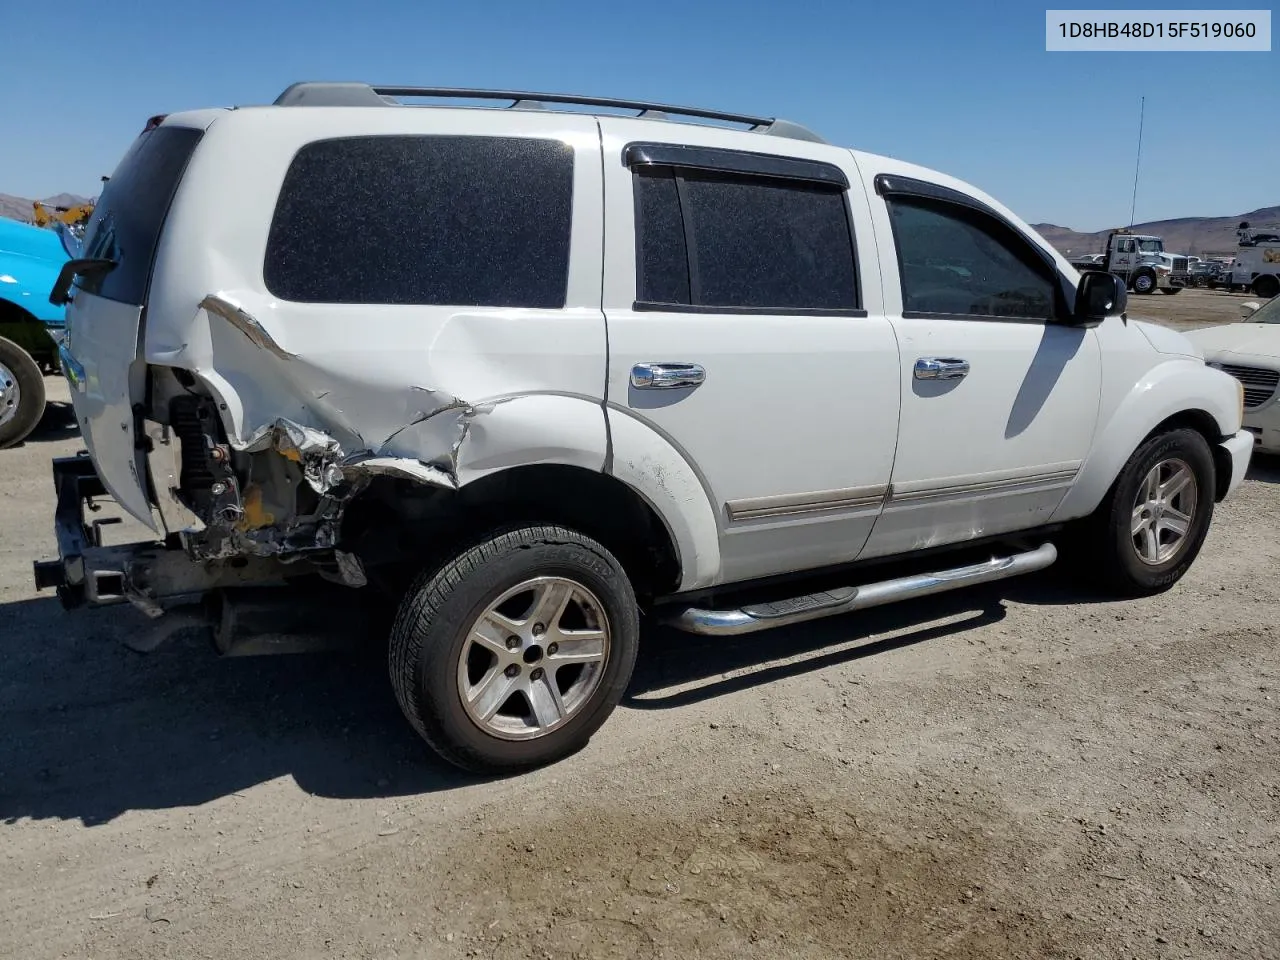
[
  {"x": 941, "y": 368},
  {"x": 666, "y": 376}
]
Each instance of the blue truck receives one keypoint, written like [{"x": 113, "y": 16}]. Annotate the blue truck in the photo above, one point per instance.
[{"x": 30, "y": 260}]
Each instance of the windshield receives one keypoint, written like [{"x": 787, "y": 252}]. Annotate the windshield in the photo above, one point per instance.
[
  {"x": 1151, "y": 246},
  {"x": 1270, "y": 312}
]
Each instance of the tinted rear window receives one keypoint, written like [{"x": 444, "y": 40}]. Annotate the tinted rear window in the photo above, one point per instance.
[
  {"x": 719, "y": 239},
  {"x": 450, "y": 220},
  {"x": 130, "y": 213}
]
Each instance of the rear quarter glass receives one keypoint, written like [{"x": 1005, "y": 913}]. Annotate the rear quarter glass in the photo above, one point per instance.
[{"x": 424, "y": 219}]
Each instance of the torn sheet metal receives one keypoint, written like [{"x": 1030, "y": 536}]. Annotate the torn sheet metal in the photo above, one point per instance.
[
  {"x": 327, "y": 467},
  {"x": 313, "y": 450},
  {"x": 362, "y": 464},
  {"x": 219, "y": 304},
  {"x": 336, "y": 475}
]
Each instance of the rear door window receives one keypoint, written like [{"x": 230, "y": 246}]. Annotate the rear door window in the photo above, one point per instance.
[
  {"x": 447, "y": 220},
  {"x": 721, "y": 240},
  {"x": 126, "y": 223}
]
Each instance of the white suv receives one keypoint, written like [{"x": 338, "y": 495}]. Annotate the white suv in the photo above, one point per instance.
[{"x": 520, "y": 374}]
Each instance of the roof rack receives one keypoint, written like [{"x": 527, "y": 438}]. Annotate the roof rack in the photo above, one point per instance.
[{"x": 333, "y": 94}]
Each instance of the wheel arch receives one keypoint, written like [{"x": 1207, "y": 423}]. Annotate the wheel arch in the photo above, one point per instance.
[
  {"x": 440, "y": 521},
  {"x": 1173, "y": 394},
  {"x": 1264, "y": 282}
]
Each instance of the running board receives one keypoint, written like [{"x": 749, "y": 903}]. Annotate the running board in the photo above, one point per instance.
[{"x": 766, "y": 616}]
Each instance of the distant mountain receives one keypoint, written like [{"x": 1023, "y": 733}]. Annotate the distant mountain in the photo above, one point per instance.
[
  {"x": 1193, "y": 235},
  {"x": 19, "y": 208}
]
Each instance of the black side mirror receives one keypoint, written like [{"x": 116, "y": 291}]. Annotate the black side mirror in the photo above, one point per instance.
[{"x": 1099, "y": 295}]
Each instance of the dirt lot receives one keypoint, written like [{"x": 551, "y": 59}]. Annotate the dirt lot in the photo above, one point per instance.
[
  {"x": 1018, "y": 771},
  {"x": 1189, "y": 309}
]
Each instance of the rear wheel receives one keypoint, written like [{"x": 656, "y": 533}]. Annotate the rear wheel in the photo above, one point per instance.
[
  {"x": 21, "y": 394},
  {"x": 1266, "y": 287},
  {"x": 514, "y": 653},
  {"x": 1149, "y": 530}
]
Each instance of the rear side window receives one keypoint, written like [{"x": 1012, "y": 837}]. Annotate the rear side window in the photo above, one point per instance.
[
  {"x": 738, "y": 242},
  {"x": 450, "y": 220},
  {"x": 955, "y": 261},
  {"x": 129, "y": 215}
]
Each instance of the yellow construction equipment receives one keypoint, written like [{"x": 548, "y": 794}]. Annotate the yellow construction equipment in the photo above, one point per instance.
[{"x": 73, "y": 217}]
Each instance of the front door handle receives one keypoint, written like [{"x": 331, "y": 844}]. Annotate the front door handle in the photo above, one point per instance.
[
  {"x": 667, "y": 376},
  {"x": 941, "y": 368}
]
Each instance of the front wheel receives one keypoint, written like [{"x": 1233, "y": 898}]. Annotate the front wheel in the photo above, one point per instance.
[
  {"x": 1144, "y": 282},
  {"x": 1149, "y": 530},
  {"x": 514, "y": 653},
  {"x": 21, "y": 394}
]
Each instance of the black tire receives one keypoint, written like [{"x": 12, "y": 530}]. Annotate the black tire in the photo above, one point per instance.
[
  {"x": 430, "y": 637},
  {"x": 1144, "y": 282},
  {"x": 1266, "y": 287},
  {"x": 30, "y": 404},
  {"x": 1104, "y": 548}
]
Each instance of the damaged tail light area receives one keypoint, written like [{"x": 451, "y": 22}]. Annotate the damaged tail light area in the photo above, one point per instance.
[
  {"x": 264, "y": 502},
  {"x": 279, "y": 494}
]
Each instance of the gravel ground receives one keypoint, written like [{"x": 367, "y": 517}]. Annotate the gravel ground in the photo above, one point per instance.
[{"x": 1016, "y": 771}]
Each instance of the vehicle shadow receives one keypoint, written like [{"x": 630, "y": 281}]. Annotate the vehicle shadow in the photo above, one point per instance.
[
  {"x": 1056, "y": 349},
  {"x": 709, "y": 667},
  {"x": 92, "y": 730},
  {"x": 1264, "y": 468},
  {"x": 58, "y": 423}
]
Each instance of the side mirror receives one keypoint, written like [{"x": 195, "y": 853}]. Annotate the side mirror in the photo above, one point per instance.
[
  {"x": 1249, "y": 308},
  {"x": 1099, "y": 295}
]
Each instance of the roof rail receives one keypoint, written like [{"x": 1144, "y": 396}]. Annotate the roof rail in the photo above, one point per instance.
[{"x": 333, "y": 94}]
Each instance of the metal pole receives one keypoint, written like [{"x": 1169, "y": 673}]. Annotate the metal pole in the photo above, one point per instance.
[{"x": 1142, "y": 109}]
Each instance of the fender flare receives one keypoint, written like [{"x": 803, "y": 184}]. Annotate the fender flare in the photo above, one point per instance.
[
  {"x": 653, "y": 467},
  {"x": 1176, "y": 386}
]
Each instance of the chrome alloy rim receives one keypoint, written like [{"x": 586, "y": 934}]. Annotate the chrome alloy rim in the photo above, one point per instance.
[
  {"x": 10, "y": 395},
  {"x": 1163, "y": 510},
  {"x": 533, "y": 658}
]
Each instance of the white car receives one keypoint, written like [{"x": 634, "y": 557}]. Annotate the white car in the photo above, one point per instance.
[
  {"x": 587, "y": 366},
  {"x": 1250, "y": 352}
]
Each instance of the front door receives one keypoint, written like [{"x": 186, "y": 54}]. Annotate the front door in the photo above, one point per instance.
[
  {"x": 743, "y": 328},
  {"x": 999, "y": 397}
]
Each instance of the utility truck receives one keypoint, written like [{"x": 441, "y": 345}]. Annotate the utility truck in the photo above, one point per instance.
[
  {"x": 1140, "y": 261},
  {"x": 1256, "y": 266}
]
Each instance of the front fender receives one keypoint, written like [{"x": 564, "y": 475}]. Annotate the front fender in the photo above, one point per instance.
[
  {"x": 26, "y": 282},
  {"x": 1178, "y": 385},
  {"x": 652, "y": 466}
]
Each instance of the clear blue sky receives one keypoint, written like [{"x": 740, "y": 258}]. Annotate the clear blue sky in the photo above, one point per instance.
[{"x": 968, "y": 90}]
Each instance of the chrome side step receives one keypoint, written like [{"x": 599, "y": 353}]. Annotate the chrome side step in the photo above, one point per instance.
[{"x": 766, "y": 616}]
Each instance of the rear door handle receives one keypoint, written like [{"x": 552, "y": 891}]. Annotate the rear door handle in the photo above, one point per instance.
[
  {"x": 667, "y": 376},
  {"x": 941, "y": 368}
]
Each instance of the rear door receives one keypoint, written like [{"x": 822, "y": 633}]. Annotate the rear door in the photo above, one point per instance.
[
  {"x": 101, "y": 352},
  {"x": 743, "y": 328}
]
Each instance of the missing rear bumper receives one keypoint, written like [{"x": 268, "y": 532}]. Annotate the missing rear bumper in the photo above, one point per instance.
[{"x": 151, "y": 575}]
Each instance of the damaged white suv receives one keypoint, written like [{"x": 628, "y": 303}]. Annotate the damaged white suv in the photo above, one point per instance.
[{"x": 516, "y": 375}]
